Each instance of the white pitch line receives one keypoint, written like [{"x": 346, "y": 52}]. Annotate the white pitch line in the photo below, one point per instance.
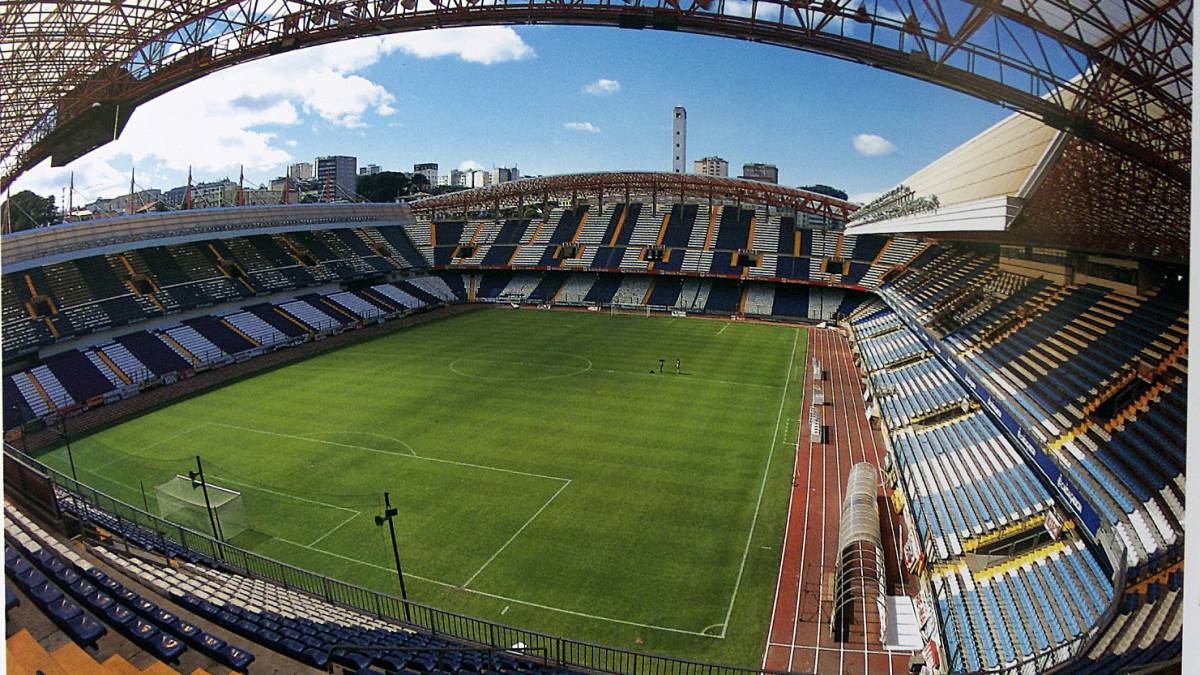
[
  {"x": 260, "y": 488},
  {"x": 504, "y": 597},
  {"x": 763, "y": 485},
  {"x": 516, "y": 534},
  {"x": 122, "y": 455},
  {"x": 692, "y": 378},
  {"x": 388, "y": 452},
  {"x": 353, "y": 513},
  {"x": 349, "y": 518},
  {"x": 727, "y": 325}
]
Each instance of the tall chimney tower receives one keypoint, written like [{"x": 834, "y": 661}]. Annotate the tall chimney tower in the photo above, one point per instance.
[{"x": 679, "y": 140}]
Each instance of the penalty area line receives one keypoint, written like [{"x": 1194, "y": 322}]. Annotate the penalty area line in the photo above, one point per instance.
[
  {"x": 516, "y": 534},
  {"x": 504, "y": 598},
  {"x": 365, "y": 448}
]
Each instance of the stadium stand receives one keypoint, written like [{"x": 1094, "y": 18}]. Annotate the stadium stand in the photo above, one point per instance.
[
  {"x": 1098, "y": 379},
  {"x": 1095, "y": 376},
  {"x": 89, "y": 592}
]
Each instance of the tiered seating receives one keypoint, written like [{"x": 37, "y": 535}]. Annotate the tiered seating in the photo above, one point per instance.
[
  {"x": 311, "y": 316},
  {"x": 891, "y": 349},
  {"x": 767, "y": 232},
  {"x": 125, "y": 362},
  {"x": 1014, "y": 611},
  {"x": 285, "y": 620},
  {"x": 151, "y": 351},
  {"x": 917, "y": 392},
  {"x": 603, "y": 290},
  {"x": 520, "y": 286},
  {"x": 547, "y": 288},
  {"x": 226, "y": 337},
  {"x": 52, "y": 388},
  {"x": 396, "y": 296},
  {"x": 196, "y": 347},
  {"x": 664, "y": 292},
  {"x": 79, "y": 596},
  {"x": 435, "y": 286},
  {"x": 633, "y": 290},
  {"x": 36, "y": 402},
  {"x": 791, "y": 301},
  {"x": 693, "y": 295},
  {"x": 532, "y": 249},
  {"x": 723, "y": 297},
  {"x": 759, "y": 299},
  {"x": 1053, "y": 355},
  {"x": 492, "y": 284},
  {"x": 734, "y": 232},
  {"x": 575, "y": 289},
  {"x": 680, "y": 226},
  {"x": 79, "y": 375},
  {"x": 264, "y": 325},
  {"x": 964, "y": 480},
  {"x": 360, "y": 307},
  {"x": 401, "y": 250}
]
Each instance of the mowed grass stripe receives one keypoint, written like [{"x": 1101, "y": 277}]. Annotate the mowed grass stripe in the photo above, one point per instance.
[{"x": 666, "y": 471}]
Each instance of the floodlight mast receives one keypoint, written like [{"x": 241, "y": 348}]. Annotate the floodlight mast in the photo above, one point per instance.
[
  {"x": 389, "y": 514},
  {"x": 197, "y": 478}
]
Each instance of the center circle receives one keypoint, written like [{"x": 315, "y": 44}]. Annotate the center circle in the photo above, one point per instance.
[{"x": 507, "y": 366}]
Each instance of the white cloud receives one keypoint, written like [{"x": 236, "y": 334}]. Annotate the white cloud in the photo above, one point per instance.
[
  {"x": 582, "y": 126},
  {"x": 486, "y": 44},
  {"x": 741, "y": 8},
  {"x": 602, "y": 87},
  {"x": 238, "y": 116},
  {"x": 873, "y": 145},
  {"x": 469, "y": 165}
]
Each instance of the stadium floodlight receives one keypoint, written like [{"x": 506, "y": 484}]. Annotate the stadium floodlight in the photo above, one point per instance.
[
  {"x": 389, "y": 514},
  {"x": 197, "y": 478}
]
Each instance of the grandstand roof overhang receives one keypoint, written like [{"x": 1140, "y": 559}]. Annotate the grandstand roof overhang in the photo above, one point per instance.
[
  {"x": 1020, "y": 183},
  {"x": 72, "y": 72},
  {"x": 621, "y": 185}
]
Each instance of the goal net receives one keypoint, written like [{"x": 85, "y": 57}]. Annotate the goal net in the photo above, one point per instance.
[{"x": 179, "y": 502}]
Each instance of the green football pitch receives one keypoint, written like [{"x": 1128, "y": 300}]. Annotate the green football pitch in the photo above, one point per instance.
[{"x": 547, "y": 475}]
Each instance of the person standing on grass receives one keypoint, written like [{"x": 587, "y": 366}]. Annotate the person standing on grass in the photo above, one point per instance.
[{"x": 676, "y": 365}]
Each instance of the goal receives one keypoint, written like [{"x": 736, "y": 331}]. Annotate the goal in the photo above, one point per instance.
[
  {"x": 615, "y": 309},
  {"x": 179, "y": 502}
]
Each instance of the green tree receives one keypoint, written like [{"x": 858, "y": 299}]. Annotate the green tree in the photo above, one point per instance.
[
  {"x": 420, "y": 183},
  {"x": 28, "y": 210},
  {"x": 384, "y": 186},
  {"x": 826, "y": 190}
]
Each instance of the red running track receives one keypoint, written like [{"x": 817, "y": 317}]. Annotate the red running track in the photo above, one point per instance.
[{"x": 798, "y": 638}]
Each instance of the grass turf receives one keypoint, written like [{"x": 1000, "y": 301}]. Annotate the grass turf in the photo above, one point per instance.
[{"x": 547, "y": 476}]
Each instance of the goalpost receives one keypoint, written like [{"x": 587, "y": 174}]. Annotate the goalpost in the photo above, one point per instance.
[
  {"x": 179, "y": 502},
  {"x": 614, "y": 309}
]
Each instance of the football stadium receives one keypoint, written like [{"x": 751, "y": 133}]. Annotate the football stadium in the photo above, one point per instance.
[{"x": 618, "y": 422}]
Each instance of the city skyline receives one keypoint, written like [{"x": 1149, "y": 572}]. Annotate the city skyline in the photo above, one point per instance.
[{"x": 607, "y": 112}]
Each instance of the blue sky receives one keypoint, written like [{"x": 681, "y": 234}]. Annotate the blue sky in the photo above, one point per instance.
[{"x": 502, "y": 96}]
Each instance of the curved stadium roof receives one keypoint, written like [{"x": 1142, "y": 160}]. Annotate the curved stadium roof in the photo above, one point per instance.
[{"x": 1114, "y": 74}]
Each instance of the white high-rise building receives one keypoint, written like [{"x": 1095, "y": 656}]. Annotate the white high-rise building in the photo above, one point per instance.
[
  {"x": 505, "y": 175},
  {"x": 300, "y": 171},
  {"x": 454, "y": 178},
  {"x": 429, "y": 170},
  {"x": 711, "y": 166},
  {"x": 679, "y": 140}
]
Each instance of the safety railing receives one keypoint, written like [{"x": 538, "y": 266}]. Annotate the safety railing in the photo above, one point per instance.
[{"x": 81, "y": 499}]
